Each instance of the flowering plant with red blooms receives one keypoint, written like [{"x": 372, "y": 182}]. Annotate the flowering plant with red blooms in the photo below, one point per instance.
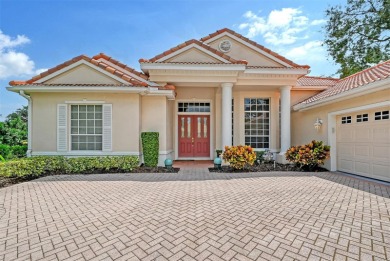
[
  {"x": 309, "y": 156},
  {"x": 239, "y": 156}
]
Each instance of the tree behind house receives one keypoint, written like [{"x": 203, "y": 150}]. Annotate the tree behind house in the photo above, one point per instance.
[{"x": 358, "y": 34}]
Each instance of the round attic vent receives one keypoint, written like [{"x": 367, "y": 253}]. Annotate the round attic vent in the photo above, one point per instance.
[{"x": 225, "y": 46}]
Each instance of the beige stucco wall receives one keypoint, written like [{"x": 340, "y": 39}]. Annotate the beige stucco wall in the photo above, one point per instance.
[
  {"x": 241, "y": 52},
  {"x": 170, "y": 125},
  {"x": 125, "y": 119},
  {"x": 82, "y": 74},
  {"x": 193, "y": 55},
  {"x": 302, "y": 122},
  {"x": 154, "y": 117},
  {"x": 298, "y": 96}
]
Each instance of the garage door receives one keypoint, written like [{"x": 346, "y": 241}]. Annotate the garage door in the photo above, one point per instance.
[{"x": 363, "y": 143}]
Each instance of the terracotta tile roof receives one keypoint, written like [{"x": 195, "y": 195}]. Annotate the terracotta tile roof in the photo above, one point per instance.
[
  {"x": 316, "y": 81},
  {"x": 100, "y": 64},
  {"x": 187, "y": 43},
  {"x": 261, "y": 47},
  {"x": 122, "y": 65},
  {"x": 358, "y": 80}
]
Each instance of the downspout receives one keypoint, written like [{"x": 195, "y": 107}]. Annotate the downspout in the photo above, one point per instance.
[{"x": 29, "y": 122}]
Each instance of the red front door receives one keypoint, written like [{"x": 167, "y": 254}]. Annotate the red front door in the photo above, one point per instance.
[{"x": 194, "y": 136}]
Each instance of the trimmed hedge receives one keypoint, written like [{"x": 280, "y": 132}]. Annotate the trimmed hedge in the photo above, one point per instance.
[
  {"x": 11, "y": 152},
  {"x": 46, "y": 165},
  {"x": 150, "y": 148}
]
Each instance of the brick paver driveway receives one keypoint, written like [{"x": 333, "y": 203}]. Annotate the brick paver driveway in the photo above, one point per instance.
[{"x": 196, "y": 216}]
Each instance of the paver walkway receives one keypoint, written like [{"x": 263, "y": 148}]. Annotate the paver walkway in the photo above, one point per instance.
[{"x": 196, "y": 215}]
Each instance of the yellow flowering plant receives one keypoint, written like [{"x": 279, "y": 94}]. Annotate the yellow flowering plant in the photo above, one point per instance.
[{"x": 239, "y": 156}]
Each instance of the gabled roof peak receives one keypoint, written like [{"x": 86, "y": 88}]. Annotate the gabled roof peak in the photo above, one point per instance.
[
  {"x": 253, "y": 43},
  {"x": 188, "y": 43},
  {"x": 93, "y": 61}
]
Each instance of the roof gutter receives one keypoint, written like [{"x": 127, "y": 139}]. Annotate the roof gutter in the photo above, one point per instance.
[
  {"x": 152, "y": 91},
  {"x": 29, "y": 121},
  {"x": 359, "y": 91}
]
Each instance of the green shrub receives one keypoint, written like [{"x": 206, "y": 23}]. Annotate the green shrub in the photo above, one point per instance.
[
  {"x": 239, "y": 156},
  {"x": 19, "y": 151},
  {"x": 260, "y": 156},
  {"x": 150, "y": 148},
  {"x": 42, "y": 165},
  {"x": 5, "y": 151},
  {"x": 2, "y": 159},
  {"x": 310, "y": 156},
  {"x": 22, "y": 168}
]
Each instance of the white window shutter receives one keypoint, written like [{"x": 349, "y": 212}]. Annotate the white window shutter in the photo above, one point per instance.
[
  {"x": 62, "y": 136},
  {"x": 107, "y": 127}
]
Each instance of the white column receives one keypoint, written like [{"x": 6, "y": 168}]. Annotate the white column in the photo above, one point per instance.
[
  {"x": 226, "y": 114},
  {"x": 285, "y": 111}
]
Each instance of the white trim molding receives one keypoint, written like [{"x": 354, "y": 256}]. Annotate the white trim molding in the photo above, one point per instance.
[
  {"x": 332, "y": 128},
  {"x": 84, "y": 101}
]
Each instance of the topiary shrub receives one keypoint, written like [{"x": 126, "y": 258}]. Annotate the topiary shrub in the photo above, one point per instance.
[
  {"x": 310, "y": 156},
  {"x": 239, "y": 156},
  {"x": 150, "y": 148}
]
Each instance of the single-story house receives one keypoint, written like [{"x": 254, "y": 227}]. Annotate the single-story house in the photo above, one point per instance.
[{"x": 204, "y": 94}]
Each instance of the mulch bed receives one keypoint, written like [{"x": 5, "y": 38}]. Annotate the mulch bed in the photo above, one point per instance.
[
  {"x": 264, "y": 167},
  {"x": 6, "y": 182}
]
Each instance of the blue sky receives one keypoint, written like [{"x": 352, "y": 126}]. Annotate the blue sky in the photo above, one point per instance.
[{"x": 36, "y": 35}]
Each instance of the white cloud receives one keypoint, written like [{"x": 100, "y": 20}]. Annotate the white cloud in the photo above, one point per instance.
[
  {"x": 285, "y": 26},
  {"x": 318, "y": 22},
  {"x": 13, "y": 63},
  {"x": 312, "y": 51}
]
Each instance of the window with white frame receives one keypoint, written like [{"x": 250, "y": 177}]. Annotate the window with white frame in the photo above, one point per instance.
[
  {"x": 86, "y": 127},
  {"x": 362, "y": 117},
  {"x": 381, "y": 115},
  {"x": 346, "y": 119},
  {"x": 257, "y": 121},
  {"x": 193, "y": 107}
]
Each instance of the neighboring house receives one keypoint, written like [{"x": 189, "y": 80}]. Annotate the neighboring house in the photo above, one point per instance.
[{"x": 204, "y": 94}]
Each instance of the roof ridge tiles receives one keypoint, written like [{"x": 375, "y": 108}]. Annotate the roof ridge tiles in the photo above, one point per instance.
[{"x": 120, "y": 64}]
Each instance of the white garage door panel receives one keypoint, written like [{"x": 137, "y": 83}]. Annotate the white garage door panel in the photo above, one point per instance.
[
  {"x": 345, "y": 165},
  {"x": 362, "y": 151},
  {"x": 381, "y": 172},
  {"x": 362, "y": 168},
  {"x": 346, "y": 150},
  {"x": 363, "y": 148},
  {"x": 362, "y": 135}
]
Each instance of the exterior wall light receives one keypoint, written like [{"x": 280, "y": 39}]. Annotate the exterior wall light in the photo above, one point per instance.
[{"x": 318, "y": 124}]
